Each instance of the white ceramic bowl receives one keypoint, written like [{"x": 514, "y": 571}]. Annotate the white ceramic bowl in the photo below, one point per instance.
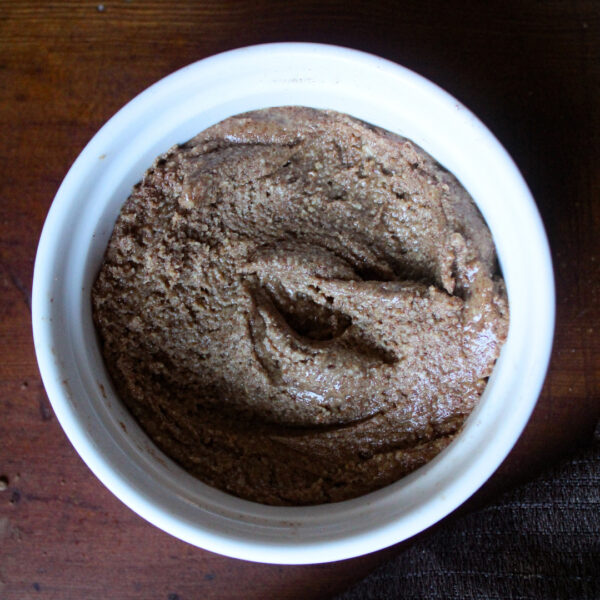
[{"x": 77, "y": 230}]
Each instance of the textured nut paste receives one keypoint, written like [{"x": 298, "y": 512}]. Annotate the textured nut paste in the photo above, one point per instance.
[{"x": 299, "y": 307}]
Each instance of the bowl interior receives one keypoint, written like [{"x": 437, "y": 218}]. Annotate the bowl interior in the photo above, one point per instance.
[{"x": 80, "y": 223}]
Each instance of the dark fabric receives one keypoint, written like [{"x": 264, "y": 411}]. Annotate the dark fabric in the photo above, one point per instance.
[{"x": 539, "y": 541}]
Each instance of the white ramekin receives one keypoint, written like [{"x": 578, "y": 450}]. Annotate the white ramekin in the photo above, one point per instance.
[{"x": 80, "y": 222}]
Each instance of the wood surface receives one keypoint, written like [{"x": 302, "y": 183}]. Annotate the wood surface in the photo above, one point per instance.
[{"x": 530, "y": 70}]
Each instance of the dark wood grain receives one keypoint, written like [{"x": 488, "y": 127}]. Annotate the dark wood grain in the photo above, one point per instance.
[{"x": 530, "y": 70}]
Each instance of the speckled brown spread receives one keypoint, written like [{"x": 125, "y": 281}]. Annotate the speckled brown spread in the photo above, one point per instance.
[{"x": 298, "y": 307}]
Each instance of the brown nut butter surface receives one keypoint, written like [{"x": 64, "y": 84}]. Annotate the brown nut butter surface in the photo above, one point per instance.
[{"x": 298, "y": 307}]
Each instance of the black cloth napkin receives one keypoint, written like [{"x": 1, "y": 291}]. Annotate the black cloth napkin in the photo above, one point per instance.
[{"x": 541, "y": 540}]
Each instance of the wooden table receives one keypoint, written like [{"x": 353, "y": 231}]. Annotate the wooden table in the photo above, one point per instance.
[{"x": 530, "y": 70}]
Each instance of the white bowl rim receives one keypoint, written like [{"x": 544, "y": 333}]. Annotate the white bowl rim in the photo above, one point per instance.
[{"x": 153, "y": 505}]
